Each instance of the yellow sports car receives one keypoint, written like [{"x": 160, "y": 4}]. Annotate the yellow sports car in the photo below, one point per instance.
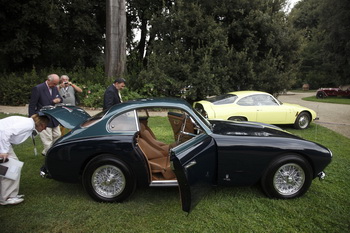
[{"x": 255, "y": 106}]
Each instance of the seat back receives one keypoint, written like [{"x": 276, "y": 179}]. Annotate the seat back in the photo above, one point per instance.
[
  {"x": 147, "y": 134},
  {"x": 159, "y": 163},
  {"x": 149, "y": 150},
  {"x": 144, "y": 126}
]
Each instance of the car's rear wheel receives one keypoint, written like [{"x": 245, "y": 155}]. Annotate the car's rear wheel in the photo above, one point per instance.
[
  {"x": 302, "y": 121},
  {"x": 108, "y": 179},
  {"x": 287, "y": 177},
  {"x": 237, "y": 118}
]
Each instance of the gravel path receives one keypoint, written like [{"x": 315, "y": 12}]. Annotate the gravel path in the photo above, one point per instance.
[{"x": 333, "y": 116}]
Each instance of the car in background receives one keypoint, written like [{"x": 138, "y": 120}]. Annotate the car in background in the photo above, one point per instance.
[
  {"x": 342, "y": 91},
  {"x": 125, "y": 147},
  {"x": 255, "y": 106}
]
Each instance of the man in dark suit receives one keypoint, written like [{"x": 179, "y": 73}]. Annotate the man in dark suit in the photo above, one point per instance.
[
  {"x": 42, "y": 95},
  {"x": 112, "y": 94}
]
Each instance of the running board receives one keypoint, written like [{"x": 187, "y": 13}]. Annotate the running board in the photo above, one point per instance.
[{"x": 163, "y": 183}]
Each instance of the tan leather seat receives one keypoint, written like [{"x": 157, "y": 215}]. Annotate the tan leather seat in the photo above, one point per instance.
[
  {"x": 144, "y": 126},
  {"x": 158, "y": 162},
  {"x": 150, "y": 138},
  {"x": 149, "y": 150}
]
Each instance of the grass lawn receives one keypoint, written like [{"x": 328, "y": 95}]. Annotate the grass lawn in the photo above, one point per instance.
[
  {"x": 333, "y": 100},
  {"x": 52, "y": 206}
]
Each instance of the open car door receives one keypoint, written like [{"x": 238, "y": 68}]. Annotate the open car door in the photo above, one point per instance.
[
  {"x": 68, "y": 116},
  {"x": 195, "y": 165}
]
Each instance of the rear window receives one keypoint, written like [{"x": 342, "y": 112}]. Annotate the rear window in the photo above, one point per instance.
[
  {"x": 222, "y": 99},
  {"x": 123, "y": 122}
]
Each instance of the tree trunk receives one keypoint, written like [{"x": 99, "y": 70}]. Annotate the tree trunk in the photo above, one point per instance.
[{"x": 115, "y": 38}]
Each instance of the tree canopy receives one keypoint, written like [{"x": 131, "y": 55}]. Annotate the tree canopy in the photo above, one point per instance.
[
  {"x": 201, "y": 47},
  {"x": 51, "y": 33},
  {"x": 325, "y": 29},
  {"x": 217, "y": 46}
]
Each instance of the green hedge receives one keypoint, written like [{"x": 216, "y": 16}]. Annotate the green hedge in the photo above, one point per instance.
[{"x": 15, "y": 88}]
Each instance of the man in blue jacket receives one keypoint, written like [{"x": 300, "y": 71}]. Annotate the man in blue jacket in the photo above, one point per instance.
[{"x": 42, "y": 95}]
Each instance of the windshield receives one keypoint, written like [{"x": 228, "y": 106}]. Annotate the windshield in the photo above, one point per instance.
[
  {"x": 222, "y": 99},
  {"x": 204, "y": 120}
]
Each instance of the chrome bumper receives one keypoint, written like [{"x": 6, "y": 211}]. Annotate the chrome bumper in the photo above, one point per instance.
[{"x": 44, "y": 173}]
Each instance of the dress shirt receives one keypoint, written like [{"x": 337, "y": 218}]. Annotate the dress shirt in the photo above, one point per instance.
[{"x": 14, "y": 130}]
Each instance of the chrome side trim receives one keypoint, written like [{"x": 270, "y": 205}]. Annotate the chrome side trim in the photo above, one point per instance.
[{"x": 164, "y": 183}]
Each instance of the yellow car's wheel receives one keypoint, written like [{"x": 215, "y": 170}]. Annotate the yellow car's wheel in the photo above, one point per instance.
[
  {"x": 302, "y": 121},
  {"x": 237, "y": 118}
]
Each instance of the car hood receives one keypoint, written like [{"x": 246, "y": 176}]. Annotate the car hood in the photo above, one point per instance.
[
  {"x": 68, "y": 116},
  {"x": 293, "y": 105},
  {"x": 248, "y": 128}
]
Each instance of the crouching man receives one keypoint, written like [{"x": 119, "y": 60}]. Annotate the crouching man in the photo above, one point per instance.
[{"x": 15, "y": 130}]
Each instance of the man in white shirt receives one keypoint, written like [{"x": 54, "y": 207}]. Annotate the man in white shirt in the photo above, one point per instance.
[{"x": 15, "y": 130}]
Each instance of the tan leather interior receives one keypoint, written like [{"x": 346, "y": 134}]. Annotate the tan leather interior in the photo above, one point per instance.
[
  {"x": 147, "y": 134},
  {"x": 144, "y": 126},
  {"x": 157, "y": 154},
  {"x": 176, "y": 121}
]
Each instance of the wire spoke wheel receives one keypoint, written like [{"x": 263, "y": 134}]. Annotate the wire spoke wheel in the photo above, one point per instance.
[
  {"x": 108, "y": 181},
  {"x": 289, "y": 179}
]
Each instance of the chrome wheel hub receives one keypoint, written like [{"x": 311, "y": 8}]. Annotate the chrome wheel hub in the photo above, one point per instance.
[
  {"x": 108, "y": 181},
  {"x": 303, "y": 121},
  {"x": 289, "y": 179}
]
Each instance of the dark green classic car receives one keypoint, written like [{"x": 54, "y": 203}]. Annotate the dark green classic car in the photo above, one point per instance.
[{"x": 116, "y": 151}]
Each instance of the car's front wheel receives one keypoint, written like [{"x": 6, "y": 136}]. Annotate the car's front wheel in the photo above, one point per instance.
[
  {"x": 302, "y": 121},
  {"x": 287, "y": 177},
  {"x": 108, "y": 179}
]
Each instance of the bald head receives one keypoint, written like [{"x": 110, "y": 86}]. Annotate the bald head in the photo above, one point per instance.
[{"x": 53, "y": 80}]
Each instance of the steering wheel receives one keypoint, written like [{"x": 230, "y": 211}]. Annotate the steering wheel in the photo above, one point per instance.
[{"x": 182, "y": 130}]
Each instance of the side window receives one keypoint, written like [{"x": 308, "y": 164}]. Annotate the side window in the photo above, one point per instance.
[
  {"x": 246, "y": 101},
  {"x": 228, "y": 100},
  {"x": 265, "y": 100},
  {"x": 123, "y": 122}
]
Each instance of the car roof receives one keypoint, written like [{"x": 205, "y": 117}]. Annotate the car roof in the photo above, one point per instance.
[
  {"x": 246, "y": 93},
  {"x": 151, "y": 102}
]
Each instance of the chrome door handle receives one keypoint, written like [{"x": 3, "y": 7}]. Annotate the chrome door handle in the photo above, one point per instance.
[{"x": 190, "y": 164}]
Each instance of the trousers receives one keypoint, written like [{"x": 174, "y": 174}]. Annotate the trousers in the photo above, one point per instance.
[
  {"x": 9, "y": 188},
  {"x": 48, "y": 137}
]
